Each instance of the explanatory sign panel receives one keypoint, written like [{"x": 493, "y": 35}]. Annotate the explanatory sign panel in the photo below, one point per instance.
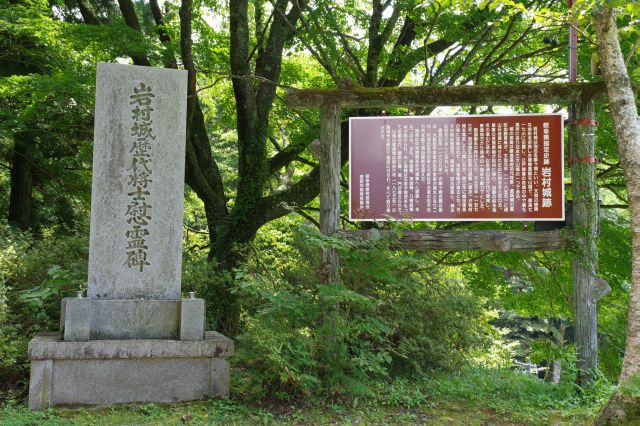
[{"x": 479, "y": 167}]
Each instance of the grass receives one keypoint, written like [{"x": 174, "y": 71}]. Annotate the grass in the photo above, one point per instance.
[{"x": 469, "y": 397}]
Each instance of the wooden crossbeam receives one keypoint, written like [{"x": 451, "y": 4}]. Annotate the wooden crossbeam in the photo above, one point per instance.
[
  {"x": 427, "y": 96},
  {"x": 481, "y": 240}
]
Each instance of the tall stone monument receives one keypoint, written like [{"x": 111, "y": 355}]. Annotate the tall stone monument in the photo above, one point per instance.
[{"x": 133, "y": 338}]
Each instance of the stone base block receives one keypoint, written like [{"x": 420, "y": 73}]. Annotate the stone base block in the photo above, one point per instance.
[
  {"x": 120, "y": 319},
  {"x": 107, "y": 372}
]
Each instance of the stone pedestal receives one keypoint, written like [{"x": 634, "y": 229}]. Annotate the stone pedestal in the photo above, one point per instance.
[
  {"x": 125, "y": 351},
  {"x": 107, "y": 372}
]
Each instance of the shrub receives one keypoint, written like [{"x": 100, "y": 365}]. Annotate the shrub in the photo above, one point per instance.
[
  {"x": 285, "y": 340},
  {"x": 43, "y": 273},
  {"x": 384, "y": 315},
  {"x": 12, "y": 244},
  {"x": 209, "y": 282},
  {"x": 34, "y": 276}
]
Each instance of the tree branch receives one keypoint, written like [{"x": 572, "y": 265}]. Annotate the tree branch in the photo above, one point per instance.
[
  {"x": 375, "y": 44},
  {"x": 467, "y": 60},
  {"x": 269, "y": 64},
  {"x": 632, "y": 51},
  {"x": 609, "y": 170},
  {"x": 163, "y": 35},
  {"x": 131, "y": 19},
  {"x": 302, "y": 192},
  {"x": 317, "y": 52},
  {"x": 88, "y": 12},
  {"x": 308, "y": 217}
]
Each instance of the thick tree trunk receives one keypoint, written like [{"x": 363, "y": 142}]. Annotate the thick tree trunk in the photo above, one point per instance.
[
  {"x": 202, "y": 173},
  {"x": 624, "y": 408},
  {"x": 20, "y": 200},
  {"x": 251, "y": 129},
  {"x": 583, "y": 184},
  {"x": 253, "y": 106},
  {"x": 88, "y": 12}
]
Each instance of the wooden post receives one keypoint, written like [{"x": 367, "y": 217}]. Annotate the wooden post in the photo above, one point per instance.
[
  {"x": 481, "y": 240},
  {"x": 329, "y": 218},
  {"x": 329, "y": 186},
  {"x": 424, "y": 96},
  {"x": 585, "y": 205}
]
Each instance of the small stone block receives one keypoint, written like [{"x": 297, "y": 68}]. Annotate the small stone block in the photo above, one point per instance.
[
  {"x": 192, "y": 319},
  {"x": 77, "y": 319}
]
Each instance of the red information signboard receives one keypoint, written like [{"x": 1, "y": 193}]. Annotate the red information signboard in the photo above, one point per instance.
[{"x": 481, "y": 167}]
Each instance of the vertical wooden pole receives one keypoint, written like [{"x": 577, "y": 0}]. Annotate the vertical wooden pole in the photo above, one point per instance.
[
  {"x": 330, "y": 141},
  {"x": 329, "y": 186},
  {"x": 585, "y": 220}
]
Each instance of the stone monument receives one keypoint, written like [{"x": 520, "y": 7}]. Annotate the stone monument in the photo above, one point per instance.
[{"x": 133, "y": 338}]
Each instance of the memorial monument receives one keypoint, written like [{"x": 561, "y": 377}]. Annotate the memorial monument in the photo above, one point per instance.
[{"x": 133, "y": 338}]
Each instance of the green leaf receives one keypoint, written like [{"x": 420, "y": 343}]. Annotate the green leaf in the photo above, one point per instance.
[{"x": 616, "y": 3}]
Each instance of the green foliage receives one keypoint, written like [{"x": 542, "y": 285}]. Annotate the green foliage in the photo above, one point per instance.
[
  {"x": 383, "y": 321},
  {"x": 507, "y": 390},
  {"x": 210, "y": 283},
  {"x": 34, "y": 276},
  {"x": 532, "y": 293},
  {"x": 283, "y": 340},
  {"x": 12, "y": 245},
  {"x": 614, "y": 246},
  {"x": 401, "y": 392},
  {"x": 470, "y": 396},
  {"x": 45, "y": 273},
  {"x": 436, "y": 328},
  {"x": 34, "y": 299}
]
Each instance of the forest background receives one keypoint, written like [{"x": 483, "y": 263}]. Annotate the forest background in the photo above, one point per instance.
[{"x": 251, "y": 240}]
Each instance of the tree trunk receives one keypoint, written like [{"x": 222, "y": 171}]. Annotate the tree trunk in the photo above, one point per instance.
[
  {"x": 624, "y": 407},
  {"x": 251, "y": 128},
  {"x": 555, "y": 370},
  {"x": 583, "y": 184},
  {"x": 554, "y": 374},
  {"x": 20, "y": 200}
]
